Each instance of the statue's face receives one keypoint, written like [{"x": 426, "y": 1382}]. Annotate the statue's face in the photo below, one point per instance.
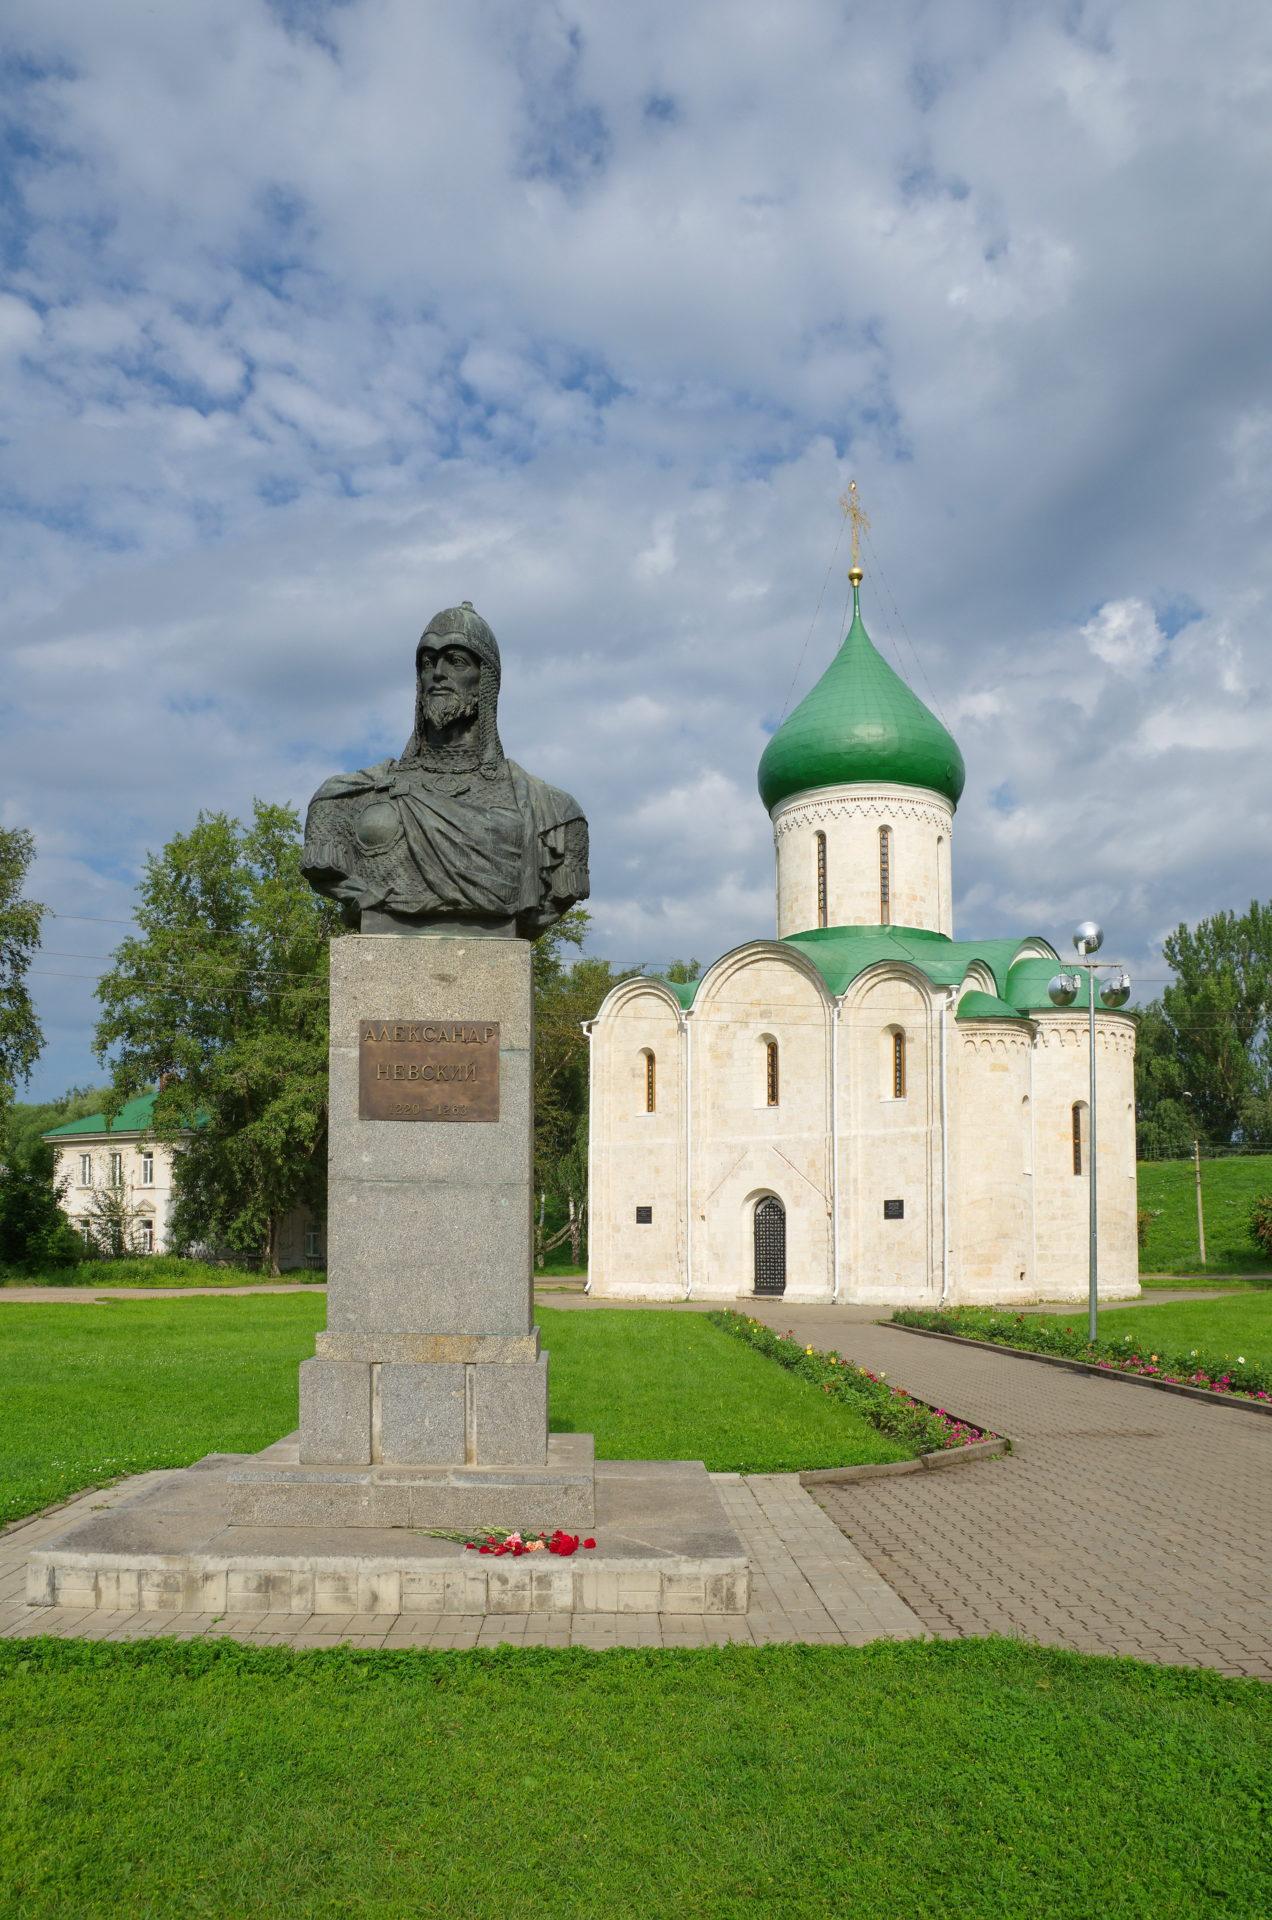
[{"x": 449, "y": 681}]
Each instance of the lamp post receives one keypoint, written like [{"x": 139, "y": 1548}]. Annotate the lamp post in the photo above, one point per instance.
[{"x": 1088, "y": 938}]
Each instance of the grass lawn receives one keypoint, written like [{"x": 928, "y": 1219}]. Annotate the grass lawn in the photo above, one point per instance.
[
  {"x": 894, "y": 1782},
  {"x": 1167, "y": 1189},
  {"x": 94, "y": 1392},
  {"x": 1240, "y": 1323},
  {"x": 157, "y": 1270}
]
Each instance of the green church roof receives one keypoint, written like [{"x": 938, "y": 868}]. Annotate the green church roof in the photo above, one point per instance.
[
  {"x": 860, "y": 722},
  {"x": 135, "y": 1116},
  {"x": 841, "y": 953},
  {"x": 987, "y": 1006}
]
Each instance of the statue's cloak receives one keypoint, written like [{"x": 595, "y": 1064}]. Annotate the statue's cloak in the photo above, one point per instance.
[{"x": 494, "y": 842}]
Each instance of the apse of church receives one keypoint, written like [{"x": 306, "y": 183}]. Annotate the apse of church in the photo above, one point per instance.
[{"x": 864, "y": 1108}]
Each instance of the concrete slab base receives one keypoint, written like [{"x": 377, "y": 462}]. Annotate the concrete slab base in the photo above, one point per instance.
[
  {"x": 664, "y": 1545},
  {"x": 559, "y": 1493}
]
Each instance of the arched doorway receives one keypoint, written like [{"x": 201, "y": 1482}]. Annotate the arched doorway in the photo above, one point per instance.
[{"x": 770, "y": 1245}]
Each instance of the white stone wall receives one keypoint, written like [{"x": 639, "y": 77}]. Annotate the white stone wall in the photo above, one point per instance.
[
  {"x": 744, "y": 1149},
  {"x": 637, "y": 1156},
  {"x": 920, "y": 866},
  {"x": 1061, "y": 1197},
  {"x": 889, "y": 1148},
  {"x": 991, "y": 1161},
  {"x": 1010, "y": 1225}
]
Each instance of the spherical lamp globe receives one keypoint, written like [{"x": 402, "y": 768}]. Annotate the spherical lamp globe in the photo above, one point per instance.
[
  {"x": 1062, "y": 989},
  {"x": 1088, "y": 936},
  {"x": 1117, "y": 991}
]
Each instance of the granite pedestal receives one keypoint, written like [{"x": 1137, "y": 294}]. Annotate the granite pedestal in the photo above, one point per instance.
[
  {"x": 663, "y": 1545},
  {"x": 426, "y": 1401}
]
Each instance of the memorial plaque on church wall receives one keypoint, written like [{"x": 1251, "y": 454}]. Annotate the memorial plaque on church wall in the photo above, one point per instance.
[{"x": 428, "y": 1070}]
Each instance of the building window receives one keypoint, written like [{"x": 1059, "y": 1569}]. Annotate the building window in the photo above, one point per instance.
[
  {"x": 772, "y": 1087},
  {"x": 651, "y": 1080},
  {"x": 822, "y": 896},
  {"x": 147, "y": 1169},
  {"x": 1079, "y": 1134},
  {"x": 885, "y": 876},
  {"x": 86, "y": 1169},
  {"x": 85, "y": 1227},
  {"x": 116, "y": 1169},
  {"x": 898, "y": 1065},
  {"x": 146, "y": 1234}
]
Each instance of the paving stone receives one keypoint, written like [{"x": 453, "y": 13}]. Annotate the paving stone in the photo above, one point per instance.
[{"x": 1112, "y": 1527}]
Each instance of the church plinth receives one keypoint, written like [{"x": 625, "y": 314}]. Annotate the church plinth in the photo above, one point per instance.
[{"x": 428, "y": 1383}]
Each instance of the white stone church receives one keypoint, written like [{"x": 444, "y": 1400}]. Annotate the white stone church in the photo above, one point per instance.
[{"x": 863, "y": 1108}]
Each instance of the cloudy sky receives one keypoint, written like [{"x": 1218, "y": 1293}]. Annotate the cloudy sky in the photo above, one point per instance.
[{"x": 315, "y": 318}]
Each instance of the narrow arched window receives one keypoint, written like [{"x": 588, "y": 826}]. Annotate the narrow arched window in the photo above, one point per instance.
[
  {"x": 772, "y": 1088},
  {"x": 898, "y": 1066},
  {"x": 885, "y": 876},
  {"x": 651, "y": 1081},
  {"x": 822, "y": 898},
  {"x": 1079, "y": 1134}
]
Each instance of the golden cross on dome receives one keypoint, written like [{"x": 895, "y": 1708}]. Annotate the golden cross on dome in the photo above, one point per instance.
[{"x": 854, "y": 511}]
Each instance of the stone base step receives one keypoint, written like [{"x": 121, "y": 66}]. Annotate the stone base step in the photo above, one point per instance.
[
  {"x": 663, "y": 1545},
  {"x": 559, "y": 1494}
]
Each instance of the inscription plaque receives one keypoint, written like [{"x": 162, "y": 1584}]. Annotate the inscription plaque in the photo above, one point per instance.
[
  {"x": 894, "y": 1209},
  {"x": 428, "y": 1070}
]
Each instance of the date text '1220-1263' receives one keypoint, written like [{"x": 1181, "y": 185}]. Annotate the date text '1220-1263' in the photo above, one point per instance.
[{"x": 428, "y": 1069}]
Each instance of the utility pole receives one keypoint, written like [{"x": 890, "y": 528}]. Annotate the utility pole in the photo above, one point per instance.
[{"x": 1201, "y": 1218}]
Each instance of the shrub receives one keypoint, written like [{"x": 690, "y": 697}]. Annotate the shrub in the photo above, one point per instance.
[{"x": 1261, "y": 1222}]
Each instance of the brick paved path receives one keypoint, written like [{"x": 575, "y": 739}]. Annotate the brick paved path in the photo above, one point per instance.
[{"x": 1125, "y": 1521}]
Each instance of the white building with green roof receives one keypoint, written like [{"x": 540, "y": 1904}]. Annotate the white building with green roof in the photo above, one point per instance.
[
  {"x": 121, "y": 1156},
  {"x": 863, "y": 1108}
]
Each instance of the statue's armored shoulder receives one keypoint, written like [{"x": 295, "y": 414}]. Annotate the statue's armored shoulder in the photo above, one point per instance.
[{"x": 553, "y": 806}]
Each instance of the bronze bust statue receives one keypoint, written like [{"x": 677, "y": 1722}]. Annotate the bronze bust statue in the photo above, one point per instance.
[{"x": 451, "y": 837}]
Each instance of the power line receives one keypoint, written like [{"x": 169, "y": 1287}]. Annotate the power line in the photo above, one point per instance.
[
  {"x": 813, "y": 622},
  {"x": 918, "y": 661}
]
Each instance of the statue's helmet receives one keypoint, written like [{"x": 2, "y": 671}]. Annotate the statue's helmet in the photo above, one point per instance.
[{"x": 463, "y": 626}]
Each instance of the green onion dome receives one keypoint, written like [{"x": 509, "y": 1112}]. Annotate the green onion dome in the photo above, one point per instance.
[{"x": 860, "y": 723}]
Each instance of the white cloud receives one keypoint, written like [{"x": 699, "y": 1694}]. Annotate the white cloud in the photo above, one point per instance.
[
  {"x": 1126, "y": 636},
  {"x": 318, "y": 319}
]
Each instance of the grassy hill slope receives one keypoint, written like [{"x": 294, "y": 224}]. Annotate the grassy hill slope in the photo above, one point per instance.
[{"x": 1167, "y": 1191}]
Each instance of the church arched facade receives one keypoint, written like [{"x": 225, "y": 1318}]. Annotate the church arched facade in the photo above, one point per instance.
[{"x": 863, "y": 1108}]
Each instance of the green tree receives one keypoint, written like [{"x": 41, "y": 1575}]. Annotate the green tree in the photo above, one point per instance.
[
  {"x": 221, "y": 1001},
  {"x": 1163, "y": 1121},
  {"x": 566, "y": 995},
  {"x": 20, "y": 920},
  {"x": 35, "y": 1234},
  {"x": 683, "y": 972},
  {"x": 1216, "y": 1015}
]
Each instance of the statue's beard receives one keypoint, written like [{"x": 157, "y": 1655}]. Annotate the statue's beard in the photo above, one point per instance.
[{"x": 442, "y": 710}]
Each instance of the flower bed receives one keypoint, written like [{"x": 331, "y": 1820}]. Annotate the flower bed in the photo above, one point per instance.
[
  {"x": 891, "y": 1409},
  {"x": 1038, "y": 1333}
]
